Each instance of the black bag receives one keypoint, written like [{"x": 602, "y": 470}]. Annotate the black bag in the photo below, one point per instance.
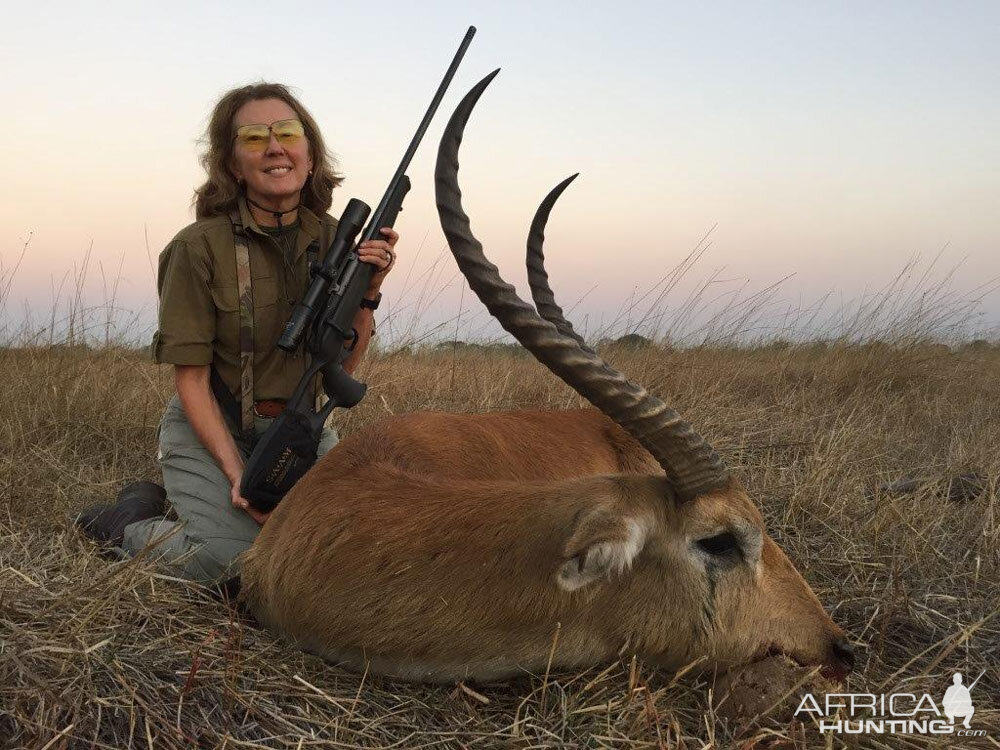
[{"x": 285, "y": 452}]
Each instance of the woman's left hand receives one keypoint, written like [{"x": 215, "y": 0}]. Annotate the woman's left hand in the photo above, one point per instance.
[{"x": 379, "y": 253}]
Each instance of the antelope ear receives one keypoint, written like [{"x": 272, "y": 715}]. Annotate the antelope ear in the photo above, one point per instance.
[{"x": 602, "y": 543}]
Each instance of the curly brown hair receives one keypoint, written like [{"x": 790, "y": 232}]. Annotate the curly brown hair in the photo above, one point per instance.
[{"x": 219, "y": 193}]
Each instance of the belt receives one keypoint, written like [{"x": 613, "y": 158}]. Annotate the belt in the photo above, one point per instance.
[{"x": 270, "y": 408}]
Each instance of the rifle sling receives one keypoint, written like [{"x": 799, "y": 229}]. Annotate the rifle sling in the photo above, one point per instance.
[{"x": 245, "y": 289}]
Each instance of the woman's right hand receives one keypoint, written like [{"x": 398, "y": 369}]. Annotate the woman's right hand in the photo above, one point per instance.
[{"x": 243, "y": 504}]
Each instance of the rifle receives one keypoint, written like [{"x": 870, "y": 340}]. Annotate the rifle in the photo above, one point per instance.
[
  {"x": 976, "y": 681},
  {"x": 323, "y": 318}
]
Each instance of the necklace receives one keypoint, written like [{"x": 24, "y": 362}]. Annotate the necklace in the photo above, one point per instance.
[{"x": 277, "y": 214}]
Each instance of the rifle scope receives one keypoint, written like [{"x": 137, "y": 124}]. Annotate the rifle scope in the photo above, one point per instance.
[{"x": 350, "y": 224}]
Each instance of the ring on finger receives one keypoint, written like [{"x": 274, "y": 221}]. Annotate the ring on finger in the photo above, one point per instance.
[{"x": 389, "y": 258}]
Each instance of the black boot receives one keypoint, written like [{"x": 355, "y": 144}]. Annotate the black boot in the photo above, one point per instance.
[{"x": 136, "y": 502}]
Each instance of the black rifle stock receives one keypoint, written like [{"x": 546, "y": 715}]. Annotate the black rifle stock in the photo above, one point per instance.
[{"x": 324, "y": 319}]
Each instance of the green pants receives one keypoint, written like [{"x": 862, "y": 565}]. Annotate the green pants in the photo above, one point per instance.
[{"x": 204, "y": 544}]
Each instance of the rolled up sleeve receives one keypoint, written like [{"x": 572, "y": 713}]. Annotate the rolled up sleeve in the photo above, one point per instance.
[{"x": 187, "y": 312}]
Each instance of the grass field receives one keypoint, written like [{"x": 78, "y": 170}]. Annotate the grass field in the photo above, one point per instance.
[{"x": 111, "y": 655}]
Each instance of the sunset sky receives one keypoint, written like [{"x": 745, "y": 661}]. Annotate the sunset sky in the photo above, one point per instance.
[{"x": 832, "y": 141}]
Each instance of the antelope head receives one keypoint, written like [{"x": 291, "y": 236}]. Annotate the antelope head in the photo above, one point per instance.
[{"x": 683, "y": 561}]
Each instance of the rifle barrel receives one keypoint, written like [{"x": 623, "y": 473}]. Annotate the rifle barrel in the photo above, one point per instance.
[
  {"x": 977, "y": 680},
  {"x": 372, "y": 230}
]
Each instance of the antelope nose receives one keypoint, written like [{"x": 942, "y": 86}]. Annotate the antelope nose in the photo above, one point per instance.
[{"x": 844, "y": 653}]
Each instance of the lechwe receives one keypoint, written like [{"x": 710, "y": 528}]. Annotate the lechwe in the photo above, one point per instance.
[{"x": 441, "y": 578}]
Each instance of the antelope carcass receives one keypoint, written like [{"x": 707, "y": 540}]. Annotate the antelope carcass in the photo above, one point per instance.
[{"x": 378, "y": 561}]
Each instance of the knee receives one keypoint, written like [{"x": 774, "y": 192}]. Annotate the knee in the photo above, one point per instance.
[
  {"x": 209, "y": 563},
  {"x": 205, "y": 560}
]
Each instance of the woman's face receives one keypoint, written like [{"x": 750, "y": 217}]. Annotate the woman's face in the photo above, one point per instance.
[{"x": 276, "y": 174}]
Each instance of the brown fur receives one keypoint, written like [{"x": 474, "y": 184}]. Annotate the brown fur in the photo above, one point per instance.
[
  {"x": 516, "y": 445},
  {"x": 442, "y": 547}
]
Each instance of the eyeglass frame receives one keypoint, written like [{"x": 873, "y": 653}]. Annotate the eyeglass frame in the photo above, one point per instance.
[{"x": 270, "y": 128}]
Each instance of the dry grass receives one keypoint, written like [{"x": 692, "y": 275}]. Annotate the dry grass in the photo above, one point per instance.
[{"x": 99, "y": 654}]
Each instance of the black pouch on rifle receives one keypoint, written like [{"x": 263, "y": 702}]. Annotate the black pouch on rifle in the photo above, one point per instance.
[{"x": 285, "y": 452}]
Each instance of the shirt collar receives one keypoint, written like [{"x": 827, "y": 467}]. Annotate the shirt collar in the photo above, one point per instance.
[{"x": 309, "y": 227}]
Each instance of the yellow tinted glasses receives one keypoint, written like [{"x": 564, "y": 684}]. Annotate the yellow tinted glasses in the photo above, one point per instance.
[{"x": 256, "y": 137}]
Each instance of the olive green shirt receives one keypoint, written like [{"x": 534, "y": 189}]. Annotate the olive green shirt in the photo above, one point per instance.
[{"x": 199, "y": 318}]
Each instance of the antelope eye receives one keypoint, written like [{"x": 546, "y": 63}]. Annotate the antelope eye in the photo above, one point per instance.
[{"x": 720, "y": 544}]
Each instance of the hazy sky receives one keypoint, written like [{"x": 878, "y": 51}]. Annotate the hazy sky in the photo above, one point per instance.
[{"x": 833, "y": 141}]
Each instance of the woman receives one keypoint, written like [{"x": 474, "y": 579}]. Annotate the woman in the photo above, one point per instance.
[{"x": 269, "y": 186}]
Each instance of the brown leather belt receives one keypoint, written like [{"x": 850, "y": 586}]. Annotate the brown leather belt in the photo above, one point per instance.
[{"x": 270, "y": 408}]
